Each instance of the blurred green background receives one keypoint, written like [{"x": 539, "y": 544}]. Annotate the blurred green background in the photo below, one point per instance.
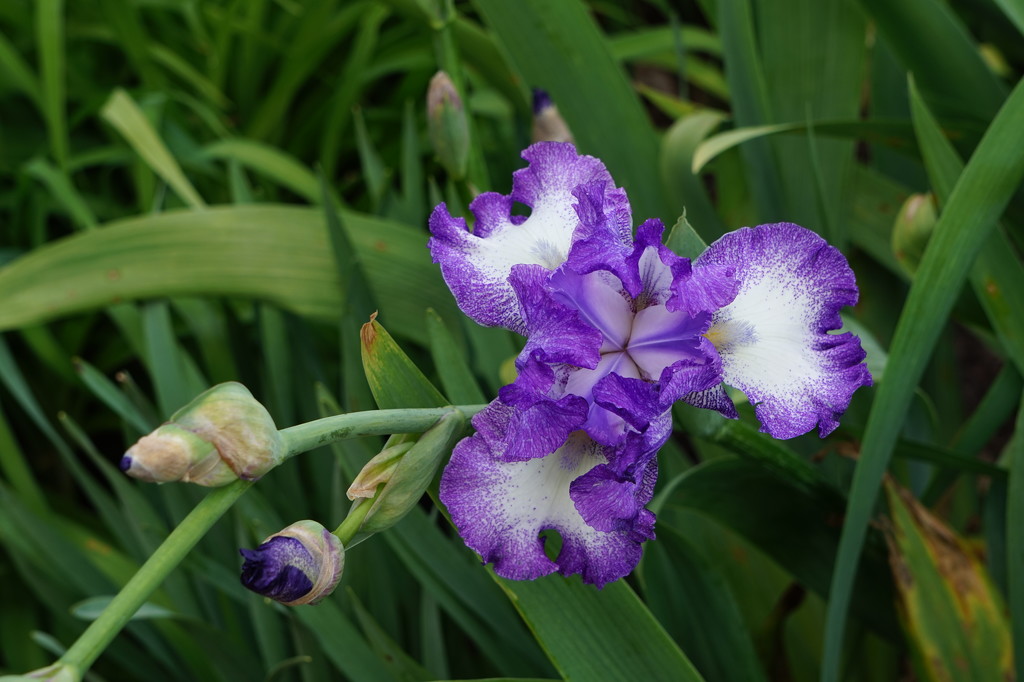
[{"x": 199, "y": 191}]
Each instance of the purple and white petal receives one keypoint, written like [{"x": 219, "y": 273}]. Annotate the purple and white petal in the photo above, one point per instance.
[
  {"x": 600, "y": 243},
  {"x": 773, "y": 338},
  {"x": 525, "y": 423},
  {"x": 476, "y": 264},
  {"x": 501, "y": 507},
  {"x": 655, "y": 263},
  {"x": 616, "y": 502}
]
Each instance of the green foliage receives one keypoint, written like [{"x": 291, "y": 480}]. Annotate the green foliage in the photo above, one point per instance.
[{"x": 193, "y": 193}]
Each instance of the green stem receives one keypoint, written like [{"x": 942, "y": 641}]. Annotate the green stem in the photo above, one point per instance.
[
  {"x": 84, "y": 652},
  {"x": 166, "y": 558},
  {"x": 314, "y": 434},
  {"x": 350, "y": 526}
]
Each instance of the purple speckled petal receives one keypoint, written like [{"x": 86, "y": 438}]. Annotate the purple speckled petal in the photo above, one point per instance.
[
  {"x": 702, "y": 289},
  {"x": 500, "y": 507},
  {"x": 615, "y": 502},
  {"x": 476, "y": 265},
  {"x": 774, "y": 339},
  {"x": 714, "y": 398},
  {"x": 602, "y": 241},
  {"x": 524, "y": 423}
]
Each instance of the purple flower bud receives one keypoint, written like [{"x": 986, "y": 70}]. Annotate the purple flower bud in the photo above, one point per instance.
[
  {"x": 548, "y": 124},
  {"x": 302, "y": 564}
]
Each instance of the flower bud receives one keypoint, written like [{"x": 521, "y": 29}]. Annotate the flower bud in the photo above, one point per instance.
[
  {"x": 405, "y": 472},
  {"x": 914, "y": 225},
  {"x": 302, "y": 564},
  {"x": 222, "y": 435},
  {"x": 548, "y": 124},
  {"x": 447, "y": 125},
  {"x": 378, "y": 470}
]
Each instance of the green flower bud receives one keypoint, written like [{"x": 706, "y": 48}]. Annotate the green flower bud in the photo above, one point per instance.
[
  {"x": 447, "y": 125},
  {"x": 405, "y": 471},
  {"x": 914, "y": 225},
  {"x": 377, "y": 471},
  {"x": 222, "y": 435},
  {"x": 302, "y": 564}
]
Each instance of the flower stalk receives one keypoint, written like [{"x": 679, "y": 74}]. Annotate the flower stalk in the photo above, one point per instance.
[
  {"x": 84, "y": 652},
  {"x": 297, "y": 439}
]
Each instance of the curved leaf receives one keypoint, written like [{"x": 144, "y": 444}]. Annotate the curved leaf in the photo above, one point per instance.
[{"x": 274, "y": 253}]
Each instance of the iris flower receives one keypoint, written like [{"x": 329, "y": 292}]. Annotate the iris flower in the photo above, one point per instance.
[{"x": 617, "y": 329}]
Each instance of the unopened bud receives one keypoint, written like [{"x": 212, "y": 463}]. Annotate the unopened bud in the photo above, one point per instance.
[
  {"x": 914, "y": 225},
  {"x": 379, "y": 470},
  {"x": 447, "y": 125},
  {"x": 548, "y": 124},
  {"x": 405, "y": 472},
  {"x": 222, "y": 435},
  {"x": 302, "y": 564}
]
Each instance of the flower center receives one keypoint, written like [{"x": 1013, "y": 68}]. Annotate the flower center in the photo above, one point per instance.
[{"x": 640, "y": 341}]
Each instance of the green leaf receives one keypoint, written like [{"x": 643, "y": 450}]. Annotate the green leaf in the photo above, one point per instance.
[
  {"x": 684, "y": 240},
  {"x": 442, "y": 565},
  {"x": 341, "y": 642},
  {"x": 796, "y": 526},
  {"x": 997, "y": 271},
  {"x": 91, "y": 608},
  {"x": 50, "y": 34},
  {"x": 271, "y": 162},
  {"x": 677, "y": 150},
  {"x": 894, "y": 133},
  {"x": 931, "y": 42},
  {"x": 1014, "y": 11},
  {"x": 19, "y": 72},
  {"x": 124, "y": 114},
  {"x": 974, "y": 206},
  {"x": 953, "y": 614},
  {"x": 695, "y": 604},
  {"x": 396, "y": 382},
  {"x": 591, "y": 634},
  {"x": 274, "y": 253},
  {"x": 63, "y": 191},
  {"x": 403, "y": 666},
  {"x": 456, "y": 376},
  {"x": 750, "y": 101},
  {"x": 813, "y": 69},
  {"x": 1015, "y": 541},
  {"x": 104, "y": 389}
]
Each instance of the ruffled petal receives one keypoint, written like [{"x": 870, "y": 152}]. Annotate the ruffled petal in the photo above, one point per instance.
[
  {"x": 602, "y": 241},
  {"x": 615, "y": 502},
  {"x": 500, "y": 508},
  {"x": 773, "y": 338},
  {"x": 476, "y": 265},
  {"x": 525, "y": 423}
]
